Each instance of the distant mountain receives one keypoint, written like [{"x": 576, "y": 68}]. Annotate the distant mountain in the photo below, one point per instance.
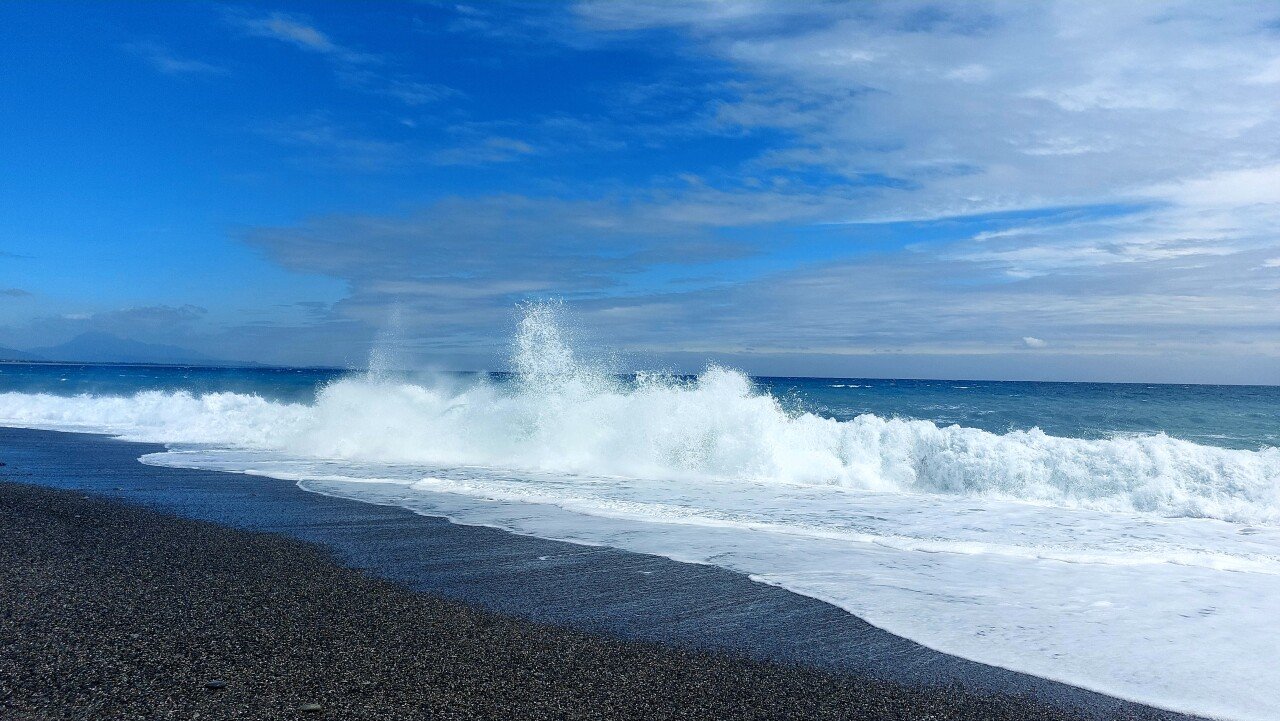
[
  {"x": 107, "y": 348},
  {"x": 12, "y": 354}
]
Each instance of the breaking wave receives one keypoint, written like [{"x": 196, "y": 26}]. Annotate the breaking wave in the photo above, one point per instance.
[{"x": 560, "y": 415}]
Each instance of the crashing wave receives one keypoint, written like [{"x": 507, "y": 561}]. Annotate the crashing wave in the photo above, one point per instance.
[{"x": 560, "y": 415}]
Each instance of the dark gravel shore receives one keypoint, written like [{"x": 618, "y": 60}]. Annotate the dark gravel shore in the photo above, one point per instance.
[{"x": 109, "y": 610}]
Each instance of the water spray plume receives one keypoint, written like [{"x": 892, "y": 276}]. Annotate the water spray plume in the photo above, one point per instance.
[{"x": 563, "y": 415}]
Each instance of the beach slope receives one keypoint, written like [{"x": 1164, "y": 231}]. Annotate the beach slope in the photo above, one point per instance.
[{"x": 111, "y": 610}]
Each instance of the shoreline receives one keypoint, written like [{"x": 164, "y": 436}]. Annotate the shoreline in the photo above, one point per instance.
[{"x": 619, "y": 597}]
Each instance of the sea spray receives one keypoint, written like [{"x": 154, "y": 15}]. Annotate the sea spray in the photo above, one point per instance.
[{"x": 560, "y": 414}]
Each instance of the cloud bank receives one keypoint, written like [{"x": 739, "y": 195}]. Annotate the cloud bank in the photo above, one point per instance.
[
  {"x": 1042, "y": 189},
  {"x": 1103, "y": 173}
]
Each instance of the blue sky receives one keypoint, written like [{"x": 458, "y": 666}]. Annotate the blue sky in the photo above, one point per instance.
[{"x": 1075, "y": 190}]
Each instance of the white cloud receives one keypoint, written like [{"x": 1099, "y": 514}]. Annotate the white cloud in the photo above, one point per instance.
[
  {"x": 353, "y": 69},
  {"x": 325, "y": 143},
  {"x": 1268, "y": 74},
  {"x": 165, "y": 61},
  {"x": 971, "y": 73},
  {"x": 494, "y": 149},
  {"x": 1033, "y": 342},
  {"x": 294, "y": 31},
  {"x": 1225, "y": 188},
  {"x": 1024, "y": 97},
  {"x": 988, "y": 107}
]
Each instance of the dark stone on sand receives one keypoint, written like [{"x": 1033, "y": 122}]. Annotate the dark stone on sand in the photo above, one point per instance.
[{"x": 215, "y": 683}]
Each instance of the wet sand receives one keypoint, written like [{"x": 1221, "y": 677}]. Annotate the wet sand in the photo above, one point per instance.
[{"x": 112, "y": 610}]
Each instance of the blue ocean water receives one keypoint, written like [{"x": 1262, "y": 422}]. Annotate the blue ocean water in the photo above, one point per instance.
[
  {"x": 109, "y": 379},
  {"x": 1245, "y": 417}
]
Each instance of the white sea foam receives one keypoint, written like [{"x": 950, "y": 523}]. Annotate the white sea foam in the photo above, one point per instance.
[
  {"x": 559, "y": 416},
  {"x": 1119, "y": 564}
]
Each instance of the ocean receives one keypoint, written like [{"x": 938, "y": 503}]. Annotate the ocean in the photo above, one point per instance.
[{"x": 1120, "y": 537}]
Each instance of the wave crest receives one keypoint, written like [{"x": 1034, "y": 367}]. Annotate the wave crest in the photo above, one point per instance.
[
  {"x": 717, "y": 426},
  {"x": 561, "y": 415}
]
